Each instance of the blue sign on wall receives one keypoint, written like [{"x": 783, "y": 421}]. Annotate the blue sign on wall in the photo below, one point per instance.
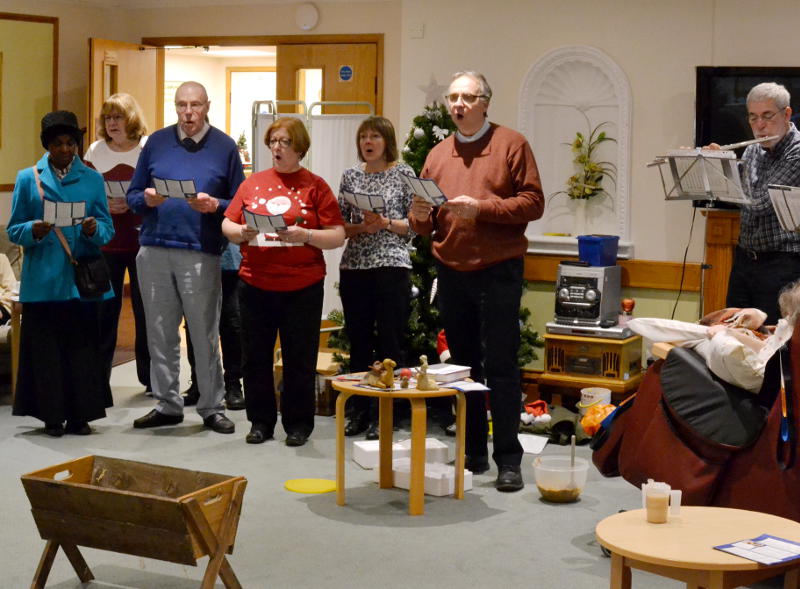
[{"x": 345, "y": 73}]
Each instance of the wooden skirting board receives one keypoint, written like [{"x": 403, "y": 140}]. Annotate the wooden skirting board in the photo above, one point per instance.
[{"x": 635, "y": 273}]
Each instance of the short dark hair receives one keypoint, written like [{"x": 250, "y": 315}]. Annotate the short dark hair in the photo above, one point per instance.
[
  {"x": 385, "y": 129},
  {"x": 301, "y": 142}
]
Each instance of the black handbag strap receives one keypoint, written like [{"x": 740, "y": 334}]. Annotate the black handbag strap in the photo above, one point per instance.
[
  {"x": 59, "y": 234},
  {"x": 786, "y": 448}
]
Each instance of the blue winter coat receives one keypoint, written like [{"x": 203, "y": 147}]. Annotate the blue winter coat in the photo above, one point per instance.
[{"x": 46, "y": 272}]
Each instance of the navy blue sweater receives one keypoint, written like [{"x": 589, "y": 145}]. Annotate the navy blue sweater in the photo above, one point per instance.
[{"x": 216, "y": 170}]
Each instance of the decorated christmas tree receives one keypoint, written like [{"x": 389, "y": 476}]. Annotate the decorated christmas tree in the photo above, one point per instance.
[{"x": 427, "y": 129}]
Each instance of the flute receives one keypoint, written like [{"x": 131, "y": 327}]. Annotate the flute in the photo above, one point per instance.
[{"x": 746, "y": 143}]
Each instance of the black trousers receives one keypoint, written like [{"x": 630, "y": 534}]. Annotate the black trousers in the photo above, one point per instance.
[
  {"x": 480, "y": 314},
  {"x": 230, "y": 331},
  {"x": 59, "y": 375},
  {"x": 758, "y": 282},
  {"x": 376, "y": 304},
  {"x": 295, "y": 315},
  {"x": 109, "y": 310}
]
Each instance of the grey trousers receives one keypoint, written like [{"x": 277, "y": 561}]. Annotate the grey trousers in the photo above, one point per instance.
[{"x": 177, "y": 283}]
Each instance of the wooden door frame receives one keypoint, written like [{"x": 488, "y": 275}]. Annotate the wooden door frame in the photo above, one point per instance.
[{"x": 376, "y": 38}]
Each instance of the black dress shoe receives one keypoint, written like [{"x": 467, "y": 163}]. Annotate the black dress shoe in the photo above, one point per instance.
[
  {"x": 476, "y": 464},
  {"x": 509, "y": 479},
  {"x": 259, "y": 433},
  {"x": 155, "y": 419},
  {"x": 372, "y": 431},
  {"x": 296, "y": 439},
  {"x": 234, "y": 399},
  {"x": 356, "y": 424},
  {"x": 55, "y": 430},
  {"x": 191, "y": 395},
  {"x": 219, "y": 423},
  {"x": 78, "y": 428}
]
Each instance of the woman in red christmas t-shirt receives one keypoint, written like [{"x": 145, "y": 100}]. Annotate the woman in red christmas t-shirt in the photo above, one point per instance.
[{"x": 282, "y": 275}]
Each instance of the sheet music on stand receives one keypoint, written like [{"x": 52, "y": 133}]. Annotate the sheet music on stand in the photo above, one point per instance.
[
  {"x": 701, "y": 174},
  {"x": 786, "y": 202}
]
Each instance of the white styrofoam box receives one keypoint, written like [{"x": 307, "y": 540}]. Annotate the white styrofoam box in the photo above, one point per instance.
[
  {"x": 365, "y": 452},
  {"x": 440, "y": 479}
]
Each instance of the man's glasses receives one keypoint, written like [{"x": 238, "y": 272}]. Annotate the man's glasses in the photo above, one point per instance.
[
  {"x": 281, "y": 142},
  {"x": 766, "y": 117},
  {"x": 465, "y": 98},
  {"x": 194, "y": 106}
]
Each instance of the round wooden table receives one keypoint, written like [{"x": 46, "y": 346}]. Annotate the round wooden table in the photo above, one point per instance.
[
  {"x": 416, "y": 489},
  {"x": 683, "y": 548}
]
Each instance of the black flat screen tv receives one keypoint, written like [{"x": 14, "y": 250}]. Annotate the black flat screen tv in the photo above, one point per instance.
[{"x": 720, "y": 108}]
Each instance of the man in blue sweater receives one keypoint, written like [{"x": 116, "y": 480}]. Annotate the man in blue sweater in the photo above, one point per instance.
[{"x": 179, "y": 258}]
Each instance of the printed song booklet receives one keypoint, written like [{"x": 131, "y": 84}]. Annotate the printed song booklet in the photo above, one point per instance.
[{"x": 765, "y": 549}]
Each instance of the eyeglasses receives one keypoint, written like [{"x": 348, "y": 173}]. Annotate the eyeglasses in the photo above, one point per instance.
[
  {"x": 766, "y": 117},
  {"x": 115, "y": 118},
  {"x": 281, "y": 142},
  {"x": 465, "y": 98},
  {"x": 194, "y": 106}
]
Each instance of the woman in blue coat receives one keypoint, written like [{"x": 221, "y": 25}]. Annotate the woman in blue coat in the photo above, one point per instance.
[{"x": 60, "y": 378}]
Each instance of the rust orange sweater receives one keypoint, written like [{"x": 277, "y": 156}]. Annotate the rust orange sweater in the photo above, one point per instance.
[{"x": 498, "y": 170}]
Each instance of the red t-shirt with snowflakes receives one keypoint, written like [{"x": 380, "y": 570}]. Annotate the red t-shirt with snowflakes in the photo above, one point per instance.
[{"x": 303, "y": 199}]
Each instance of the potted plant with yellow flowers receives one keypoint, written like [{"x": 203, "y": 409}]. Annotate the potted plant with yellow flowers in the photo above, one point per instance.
[{"x": 588, "y": 181}]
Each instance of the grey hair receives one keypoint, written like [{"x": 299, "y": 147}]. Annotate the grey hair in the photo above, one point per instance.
[
  {"x": 789, "y": 301},
  {"x": 777, "y": 93},
  {"x": 485, "y": 89}
]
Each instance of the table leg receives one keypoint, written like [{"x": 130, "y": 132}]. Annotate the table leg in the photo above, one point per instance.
[
  {"x": 45, "y": 564},
  {"x": 461, "y": 421},
  {"x": 77, "y": 562},
  {"x": 791, "y": 579},
  {"x": 620, "y": 573},
  {"x": 385, "y": 439},
  {"x": 340, "y": 401},
  {"x": 416, "y": 487}
]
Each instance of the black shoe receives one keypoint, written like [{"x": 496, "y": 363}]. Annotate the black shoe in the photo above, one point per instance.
[
  {"x": 356, "y": 424},
  {"x": 509, "y": 479},
  {"x": 476, "y": 464},
  {"x": 296, "y": 439},
  {"x": 191, "y": 395},
  {"x": 234, "y": 399},
  {"x": 155, "y": 419},
  {"x": 372, "y": 431},
  {"x": 259, "y": 433},
  {"x": 219, "y": 423},
  {"x": 78, "y": 428},
  {"x": 55, "y": 430}
]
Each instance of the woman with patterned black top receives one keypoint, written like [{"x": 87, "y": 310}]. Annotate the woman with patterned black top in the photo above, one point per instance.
[{"x": 374, "y": 275}]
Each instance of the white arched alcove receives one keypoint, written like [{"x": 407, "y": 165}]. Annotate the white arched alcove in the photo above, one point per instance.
[{"x": 573, "y": 89}]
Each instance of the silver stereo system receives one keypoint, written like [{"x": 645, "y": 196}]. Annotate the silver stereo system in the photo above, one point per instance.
[{"x": 587, "y": 296}]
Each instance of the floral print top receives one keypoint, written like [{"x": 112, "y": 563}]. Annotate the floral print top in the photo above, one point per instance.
[{"x": 384, "y": 248}]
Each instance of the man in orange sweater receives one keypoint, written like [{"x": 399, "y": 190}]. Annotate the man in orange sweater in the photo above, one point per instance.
[{"x": 489, "y": 176}]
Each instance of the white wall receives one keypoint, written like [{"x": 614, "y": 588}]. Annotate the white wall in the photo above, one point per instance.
[{"x": 657, "y": 44}]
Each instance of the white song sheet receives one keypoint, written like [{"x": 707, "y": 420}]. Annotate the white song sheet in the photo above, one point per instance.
[
  {"x": 425, "y": 188},
  {"x": 64, "y": 214},
  {"x": 175, "y": 188}
]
